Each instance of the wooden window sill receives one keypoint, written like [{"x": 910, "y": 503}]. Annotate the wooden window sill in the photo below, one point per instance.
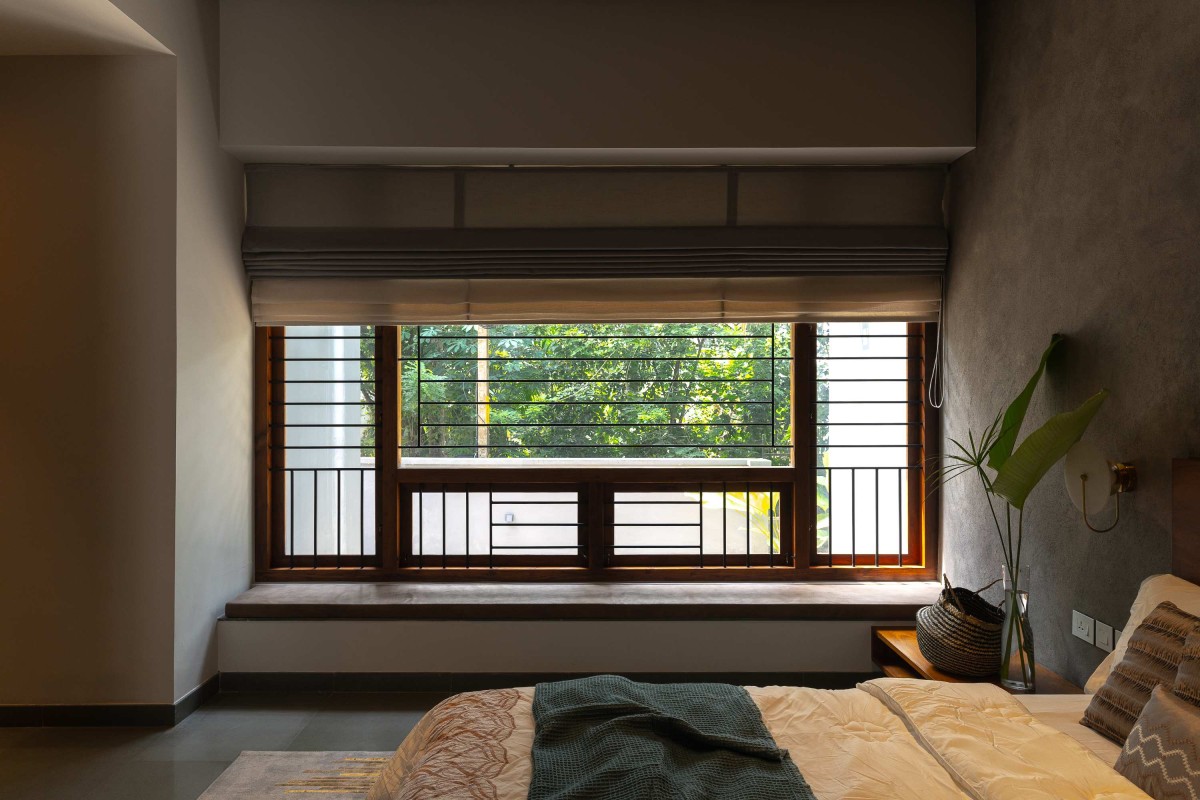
[{"x": 885, "y": 601}]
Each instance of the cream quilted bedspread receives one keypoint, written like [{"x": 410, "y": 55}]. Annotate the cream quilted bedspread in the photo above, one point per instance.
[{"x": 889, "y": 739}]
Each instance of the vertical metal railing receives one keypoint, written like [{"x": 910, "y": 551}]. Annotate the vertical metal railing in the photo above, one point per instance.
[
  {"x": 328, "y": 541},
  {"x": 845, "y": 547}
]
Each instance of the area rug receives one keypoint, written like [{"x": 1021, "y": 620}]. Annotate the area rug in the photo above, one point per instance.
[{"x": 266, "y": 775}]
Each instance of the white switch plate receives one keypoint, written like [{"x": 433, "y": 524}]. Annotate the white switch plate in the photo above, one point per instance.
[
  {"x": 1104, "y": 636},
  {"x": 1083, "y": 626}
]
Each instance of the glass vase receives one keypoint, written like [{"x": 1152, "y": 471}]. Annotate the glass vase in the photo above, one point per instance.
[{"x": 1017, "y": 672}]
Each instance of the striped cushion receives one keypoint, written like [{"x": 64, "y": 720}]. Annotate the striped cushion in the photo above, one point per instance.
[
  {"x": 1187, "y": 680},
  {"x": 1152, "y": 659}
]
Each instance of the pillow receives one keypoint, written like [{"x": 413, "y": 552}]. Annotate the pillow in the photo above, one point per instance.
[
  {"x": 1187, "y": 679},
  {"x": 1151, "y": 658},
  {"x": 1153, "y": 591},
  {"x": 1162, "y": 755}
]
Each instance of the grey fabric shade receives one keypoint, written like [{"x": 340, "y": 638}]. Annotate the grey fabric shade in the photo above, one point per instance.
[
  {"x": 386, "y": 245},
  {"x": 396, "y": 301},
  {"x": 575, "y": 253}
]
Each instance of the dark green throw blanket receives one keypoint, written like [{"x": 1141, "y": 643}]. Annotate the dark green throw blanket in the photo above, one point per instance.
[{"x": 608, "y": 737}]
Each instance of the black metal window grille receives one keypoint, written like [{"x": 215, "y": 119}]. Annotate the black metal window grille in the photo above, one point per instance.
[
  {"x": 480, "y": 526},
  {"x": 704, "y": 526},
  {"x": 323, "y": 442},
  {"x": 695, "y": 524},
  {"x": 868, "y": 444},
  {"x": 667, "y": 391}
]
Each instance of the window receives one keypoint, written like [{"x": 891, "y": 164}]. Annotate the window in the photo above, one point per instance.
[
  {"x": 868, "y": 470},
  {"x": 321, "y": 407},
  {"x": 612, "y": 451}
]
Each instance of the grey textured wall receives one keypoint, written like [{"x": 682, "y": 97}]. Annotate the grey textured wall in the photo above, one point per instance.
[
  {"x": 1080, "y": 212},
  {"x": 534, "y": 74}
]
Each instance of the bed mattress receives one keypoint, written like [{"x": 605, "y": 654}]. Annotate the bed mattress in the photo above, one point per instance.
[
  {"x": 890, "y": 738},
  {"x": 1063, "y": 712}
]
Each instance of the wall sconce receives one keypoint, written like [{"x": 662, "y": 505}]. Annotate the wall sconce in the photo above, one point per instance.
[{"x": 1089, "y": 474}]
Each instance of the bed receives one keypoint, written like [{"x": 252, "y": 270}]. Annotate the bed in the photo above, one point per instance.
[{"x": 895, "y": 738}]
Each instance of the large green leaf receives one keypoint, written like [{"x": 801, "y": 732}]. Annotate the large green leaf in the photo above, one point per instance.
[
  {"x": 1014, "y": 415},
  {"x": 1042, "y": 449}
]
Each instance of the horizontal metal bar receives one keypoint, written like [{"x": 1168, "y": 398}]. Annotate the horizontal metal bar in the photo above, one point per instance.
[
  {"x": 601, "y": 338},
  {"x": 780, "y": 447},
  {"x": 870, "y": 402},
  {"x": 576, "y": 380},
  {"x": 324, "y": 469},
  {"x": 868, "y": 358},
  {"x": 904, "y": 424},
  {"x": 496, "y": 502},
  {"x": 657, "y": 547},
  {"x": 326, "y": 338},
  {"x": 906, "y": 466},
  {"x": 321, "y": 425},
  {"x": 474, "y": 403},
  {"x": 657, "y": 524},
  {"x": 840, "y": 446},
  {"x": 534, "y": 547},
  {"x": 277, "y": 360},
  {"x": 320, "y": 447},
  {"x": 862, "y": 335},
  {"x": 664, "y": 502},
  {"x": 537, "y": 524},
  {"x": 370, "y": 403},
  {"x": 511, "y": 359},
  {"x": 296, "y": 380},
  {"x": 596, "y": 425}
]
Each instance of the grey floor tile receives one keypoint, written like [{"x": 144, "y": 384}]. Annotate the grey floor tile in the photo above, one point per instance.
[
  {"x": 355, "y": 731},
  {"x": 49, "y": 773},
  {"x": 180, "y": 763},
  {"x": 417, "y": 702},
  {"x": 221, "y": 738},
  {"x": 156, "y": 780}
]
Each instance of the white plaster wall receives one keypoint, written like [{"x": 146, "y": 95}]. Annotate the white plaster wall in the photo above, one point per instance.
[
  {"x": 402, "y": 78},
  {"x": 213, "y": 360},
  {"x": 87, "y": 353},
  {"x": 544, "y": 646}
]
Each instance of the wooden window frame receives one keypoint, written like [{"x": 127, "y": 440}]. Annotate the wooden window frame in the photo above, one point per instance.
[
  {"x": 923, "y": 440},
  {"x": 396, "y": 561}
]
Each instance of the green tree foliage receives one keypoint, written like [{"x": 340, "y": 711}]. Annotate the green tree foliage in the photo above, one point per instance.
[
  {"x": 679, "y": 390},
  {"x": 366, "y": 367}
]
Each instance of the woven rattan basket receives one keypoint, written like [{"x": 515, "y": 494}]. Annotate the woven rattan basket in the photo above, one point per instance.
[{"x": 960, "y": 633}]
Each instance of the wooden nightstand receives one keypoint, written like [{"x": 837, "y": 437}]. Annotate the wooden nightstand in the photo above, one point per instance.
[{"x": 895, "y": 651}]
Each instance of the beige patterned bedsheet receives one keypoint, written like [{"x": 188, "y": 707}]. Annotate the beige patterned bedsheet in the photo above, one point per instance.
[
  {"x": 846, "y": 743},
  {"x": 473, "y": 746},
  {"x": 476, "y": 746}
]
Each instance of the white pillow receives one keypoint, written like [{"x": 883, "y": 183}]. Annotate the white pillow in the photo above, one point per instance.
[{"x": 1154, "y": 590}]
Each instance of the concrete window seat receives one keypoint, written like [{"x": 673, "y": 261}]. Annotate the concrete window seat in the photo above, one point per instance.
[{"x": 888, "y": 601}]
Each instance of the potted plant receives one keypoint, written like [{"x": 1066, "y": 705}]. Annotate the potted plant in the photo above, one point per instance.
[{"x": 1007, "y": 473}]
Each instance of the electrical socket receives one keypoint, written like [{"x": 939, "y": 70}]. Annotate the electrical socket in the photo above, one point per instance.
[
  {"x": 1083, "y": 626},
  {"x": 1104, "y": 636}
]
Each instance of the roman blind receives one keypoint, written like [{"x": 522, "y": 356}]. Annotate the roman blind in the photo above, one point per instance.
[{"x": 590, "y": 246}]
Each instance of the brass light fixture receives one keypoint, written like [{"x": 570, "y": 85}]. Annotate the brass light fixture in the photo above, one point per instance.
[{"x": 1089, "y": 474}]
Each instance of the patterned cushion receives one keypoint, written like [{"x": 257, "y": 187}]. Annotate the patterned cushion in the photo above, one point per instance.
[
  {"x": 1152, "y": 658},
  {"x": 1153, "y": 591},
  {"x": 1187, "y": 680},
  {"x": 1162, "y": 754}
]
